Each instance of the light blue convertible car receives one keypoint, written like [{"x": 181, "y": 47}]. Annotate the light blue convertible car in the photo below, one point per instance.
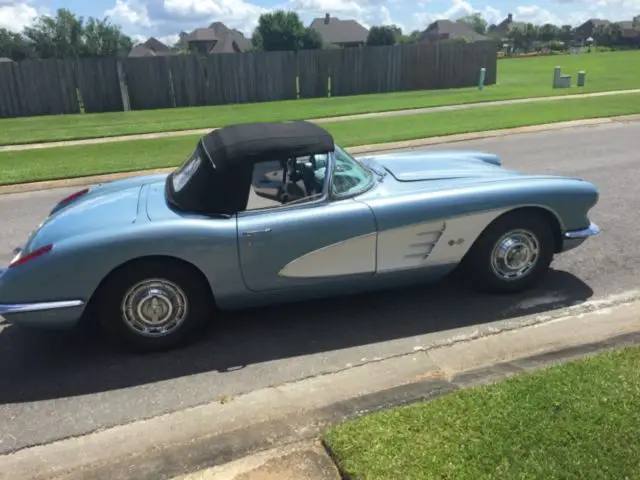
[{"x": 276, "y": 212}]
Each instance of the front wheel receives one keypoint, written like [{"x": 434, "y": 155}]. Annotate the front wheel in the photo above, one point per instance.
[
  {"x": 153, "y": 305},
  {"x": 512, "y": 254}
]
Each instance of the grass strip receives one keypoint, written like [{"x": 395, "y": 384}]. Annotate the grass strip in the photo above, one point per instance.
[
  {"x": 579, "y": 420},
  {"x": 517, "y": 78},
  {"x": 82, "y": 160}
]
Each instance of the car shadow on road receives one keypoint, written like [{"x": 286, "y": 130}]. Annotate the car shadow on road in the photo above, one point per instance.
[{"x": 36, "y": 365}]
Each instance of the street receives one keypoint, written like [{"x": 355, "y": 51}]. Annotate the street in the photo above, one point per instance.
[{"x": 56, "y": 385}]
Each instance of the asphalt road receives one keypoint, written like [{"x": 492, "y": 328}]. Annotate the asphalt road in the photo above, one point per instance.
[{"x": 58, "y": 385}]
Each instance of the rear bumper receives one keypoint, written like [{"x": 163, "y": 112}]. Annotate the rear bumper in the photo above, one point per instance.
[
  {"x": 575, "y": 238},
  {"x": 55, "y": 315}
]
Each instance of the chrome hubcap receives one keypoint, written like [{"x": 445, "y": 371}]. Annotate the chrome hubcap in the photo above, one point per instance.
[
  {"x": 154, "y": 308},
  {"x": 515, "y": 255}
]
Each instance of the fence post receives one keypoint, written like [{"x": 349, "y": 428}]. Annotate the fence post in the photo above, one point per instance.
[{"x": 124, "y": 91}]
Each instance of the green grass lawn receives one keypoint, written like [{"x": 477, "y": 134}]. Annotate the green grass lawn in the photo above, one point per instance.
[
  {"x": 575, "y": 421},
  {"x": 82, "y": 160},
  {"x": 517, "y": 78}
]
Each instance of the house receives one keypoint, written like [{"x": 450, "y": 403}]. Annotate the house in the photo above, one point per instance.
[
  {"x": 341, "y": 33},
  {"x": 216, "y": 38},
  {"x": 588, "y": 28},
  {"x": 448, "y": 30},
  {"x": 151, "y": 48},
  {"x": 501, "y": 30},
  {"x": 629, "y": 31}
]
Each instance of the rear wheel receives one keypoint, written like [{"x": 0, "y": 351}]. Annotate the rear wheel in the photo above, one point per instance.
[
  {"x": 154, "y": 305},
  {"x": 512, "y": 254}
]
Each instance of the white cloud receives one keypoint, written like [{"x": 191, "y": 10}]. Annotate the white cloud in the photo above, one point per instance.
[
  {"x": 458, "y": 9},
  {"x": 536, "y": 15},
  {"x": 234, "y": 13},
  {"x": 15, "y": 15},
  {"x": 129, "y": 13},
  {"x": 166, "y": 39}
]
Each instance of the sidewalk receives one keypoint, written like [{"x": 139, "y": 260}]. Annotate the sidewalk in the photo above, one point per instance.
[
  {"x": 463, "y": 365},
  {"x": 360, "y": 116},
  {"x": 274, "y": 432}
]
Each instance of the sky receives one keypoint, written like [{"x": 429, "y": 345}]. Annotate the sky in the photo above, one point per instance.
[{"x": 164, "y": 19}]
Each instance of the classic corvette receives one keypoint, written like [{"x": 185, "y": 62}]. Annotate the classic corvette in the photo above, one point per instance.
[{"x": 276, "y": 212}]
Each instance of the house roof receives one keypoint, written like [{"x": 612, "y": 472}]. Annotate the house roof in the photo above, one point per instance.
[
  {"x": 150, "y": 48},
  {"x": 595, "y": 22},
  {"x": 223, "y": 36},
  {"x": 156, "y": 45},
  {"x": 452, "y": 29},
  {"x": 334, "y": 30}
]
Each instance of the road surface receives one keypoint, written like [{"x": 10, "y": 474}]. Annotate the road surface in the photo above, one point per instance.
[{"x": 58, "y": 385}]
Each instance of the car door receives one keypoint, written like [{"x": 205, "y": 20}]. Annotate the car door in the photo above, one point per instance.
[{"x": 308, "y": 243}]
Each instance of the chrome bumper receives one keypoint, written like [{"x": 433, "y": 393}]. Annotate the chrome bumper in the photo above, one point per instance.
[
  {"x": 9, "y": 308},
  {"x": 590, "y": 231}
]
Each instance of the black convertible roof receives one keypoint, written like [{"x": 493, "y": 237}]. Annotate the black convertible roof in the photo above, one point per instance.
[
  {"x": 254, "y": 142},
  {"x": 216, "y": 177}
]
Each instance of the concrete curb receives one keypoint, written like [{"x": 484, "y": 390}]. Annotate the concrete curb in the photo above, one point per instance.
[
  {"x": 356, "y": 150},
  {"x": 341, "y": 118},
  {"x": 220, "y": 432}
]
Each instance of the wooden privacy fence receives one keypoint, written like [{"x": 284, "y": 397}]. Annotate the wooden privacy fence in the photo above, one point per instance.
[{"x": 47, "y": 87}]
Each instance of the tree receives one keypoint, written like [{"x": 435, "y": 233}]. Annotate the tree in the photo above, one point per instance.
[
  {"x": 381, "y": 35},
  {"x": 282, "y": 31},
  {"x": 104, "y": 39},
  {"x": 68, "y": 36},
  {"x": 475, "y": 22},
  {"x": 608, "y": 35},
  {"x": 13, "y": 46},
  {"x": 56, "y": 37},
  {"x": 548, "y": 32},
  {"x": 566, "y": 34},
  {"x": 523, "y": 36},
  {"x": 636, "y": 21},
  {"x": 412, "y": 37},
  {"x": 311, "y": 40}
]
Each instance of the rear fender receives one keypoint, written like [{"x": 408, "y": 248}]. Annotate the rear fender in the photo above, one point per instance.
[{"x": 75, "y": 267}]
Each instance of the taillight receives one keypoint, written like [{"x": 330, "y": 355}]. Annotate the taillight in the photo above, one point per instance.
[
  {"x": 38, "y": 252},
  {"x": 73, "y": 197}
]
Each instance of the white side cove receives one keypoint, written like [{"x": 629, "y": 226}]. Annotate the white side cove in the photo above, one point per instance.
[
  {"x": 403, "y": 248},
  {"x": 355, "y": 255}
]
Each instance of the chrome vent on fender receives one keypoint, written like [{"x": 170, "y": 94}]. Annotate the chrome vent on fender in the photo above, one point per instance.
[{"x": 425, "y": 243}]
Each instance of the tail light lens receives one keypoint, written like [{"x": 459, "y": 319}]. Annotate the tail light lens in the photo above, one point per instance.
[
  {"x": 38, "y": 252},
  {"x": 73, "y": 197}
]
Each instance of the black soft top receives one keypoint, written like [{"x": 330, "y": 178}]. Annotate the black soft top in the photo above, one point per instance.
[{"x": 216, "y": 178}]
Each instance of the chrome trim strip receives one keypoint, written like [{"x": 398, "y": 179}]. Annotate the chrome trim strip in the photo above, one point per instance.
[
  {"x": 6, "y": 308},
  {"x": 590, "y": 231}
]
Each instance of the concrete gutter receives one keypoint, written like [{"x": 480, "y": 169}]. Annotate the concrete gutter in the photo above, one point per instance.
[
  {"x": 356, "y": 150},
  {"x": 342, "y": 118},
  {"x": 235, "y": 429}
]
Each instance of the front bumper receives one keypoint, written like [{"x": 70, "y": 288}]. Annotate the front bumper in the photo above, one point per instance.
[
  {"x": 54, "y": 314},
  {"x": 575, "y": 238},
  {"x": 590, "y": 231}
]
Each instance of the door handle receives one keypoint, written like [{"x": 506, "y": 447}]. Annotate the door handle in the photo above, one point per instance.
[{"x": 255, "y": 232}]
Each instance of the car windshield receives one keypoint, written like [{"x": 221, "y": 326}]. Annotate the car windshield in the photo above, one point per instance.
[{"x": 350, "y": 176}]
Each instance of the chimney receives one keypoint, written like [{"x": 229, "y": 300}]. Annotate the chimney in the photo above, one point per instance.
[
  {"x": 510, "y": 18},
  {"x": 326, "y": 19}
]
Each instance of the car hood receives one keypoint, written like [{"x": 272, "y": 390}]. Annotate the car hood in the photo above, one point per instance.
[
  {"x": 104, "y": 206},
  {"x": 438, "y": 165}
]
